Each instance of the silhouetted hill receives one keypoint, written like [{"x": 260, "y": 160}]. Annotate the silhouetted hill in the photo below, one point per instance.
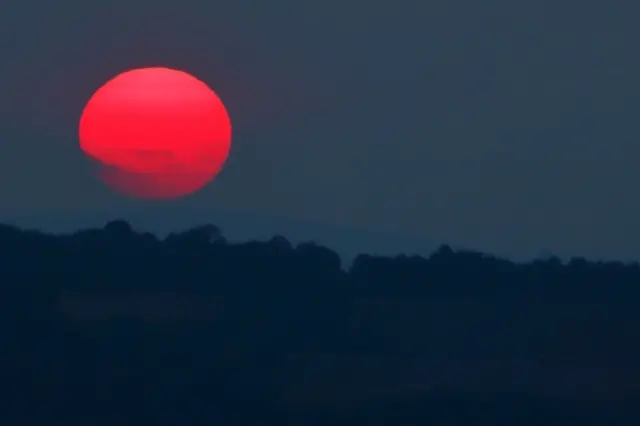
[
  {"x": 239, "y": 226},
  {"x": 111, "y": 325}
]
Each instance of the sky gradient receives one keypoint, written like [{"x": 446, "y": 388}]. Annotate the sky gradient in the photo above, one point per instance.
[{"x": 506, "y": 126}]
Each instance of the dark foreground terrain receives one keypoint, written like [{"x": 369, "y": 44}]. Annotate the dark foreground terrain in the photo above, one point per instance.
[{"x": 114, "y": 327}]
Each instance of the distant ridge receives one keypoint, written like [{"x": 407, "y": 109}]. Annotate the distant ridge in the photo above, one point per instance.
[{"x": 347, "y": 242}]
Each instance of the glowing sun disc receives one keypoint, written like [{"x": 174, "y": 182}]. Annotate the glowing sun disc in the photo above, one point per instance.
[{"x": 156, "y": 133}]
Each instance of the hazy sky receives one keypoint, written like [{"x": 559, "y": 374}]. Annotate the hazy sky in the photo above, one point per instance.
[{"x": 509, "y": 126}]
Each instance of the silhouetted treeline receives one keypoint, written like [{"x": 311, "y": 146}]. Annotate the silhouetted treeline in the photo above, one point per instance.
[{"x": 110, "y": 325}]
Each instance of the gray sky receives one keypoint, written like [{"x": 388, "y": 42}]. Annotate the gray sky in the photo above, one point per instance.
[{"x": 507, "y": 126}]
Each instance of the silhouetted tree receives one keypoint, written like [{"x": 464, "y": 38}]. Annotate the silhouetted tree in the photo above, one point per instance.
[{"x": 112, "y": 326}]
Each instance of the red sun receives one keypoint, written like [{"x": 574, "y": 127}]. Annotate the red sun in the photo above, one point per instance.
[{"x": 156, "y": 133}]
